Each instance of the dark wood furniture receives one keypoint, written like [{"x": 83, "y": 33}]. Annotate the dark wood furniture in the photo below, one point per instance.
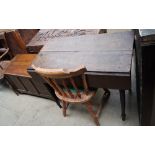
[
  {"x": 3, "y": 63},
  {"x": 16, "y": 41},
  {"x": 27, "y": 34},
  {"x": 17, "y": 76},
  {"x": 47, "y": 35},
  {"x": 145, "y": 73},
  {"x": 107, "y": 58},
  {"x": 2, "y": 40},
  {"x": 121, "y": 41},
  {"x": 67, "y": 89}
]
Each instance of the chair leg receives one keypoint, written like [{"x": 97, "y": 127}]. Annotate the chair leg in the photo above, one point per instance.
[
  {"x": 92, "y": 113},
  {"x": 64, "y": 107}
]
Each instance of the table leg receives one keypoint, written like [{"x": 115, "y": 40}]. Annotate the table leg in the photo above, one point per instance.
[{"x": 122, "y": 98}]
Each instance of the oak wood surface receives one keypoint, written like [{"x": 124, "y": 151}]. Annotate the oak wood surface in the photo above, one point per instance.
[
  {"x": 121, "y": 41},
  {"x": 99, "y": 53},
  {"x": 19, "y": 65},
  {"x": 107, "y": 57},
  {"x": 46, "y": 35},
  {"x": 103, "y": 61}
]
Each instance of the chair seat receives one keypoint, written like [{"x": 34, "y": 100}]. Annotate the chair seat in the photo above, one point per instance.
[
  {"x": 84, "y": 98},
  {"x": 4, "y": 65}
]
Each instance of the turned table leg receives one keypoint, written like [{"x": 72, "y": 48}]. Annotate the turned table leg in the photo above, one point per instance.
[{"x": 122, "y": 98}]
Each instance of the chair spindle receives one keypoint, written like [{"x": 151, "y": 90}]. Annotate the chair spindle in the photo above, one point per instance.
[
  {"x": 85, "y": 85},
  {"x": 59, "y": 88},
  {"x": 75, "y": 87},
  {"x": 68, "y": 90}
]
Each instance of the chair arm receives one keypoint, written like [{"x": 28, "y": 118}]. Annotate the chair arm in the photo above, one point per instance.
[{"x": 2, "y": 50}]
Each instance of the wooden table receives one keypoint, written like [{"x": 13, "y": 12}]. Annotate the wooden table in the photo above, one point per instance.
[
  {"x": 145, "y": 74},
  {"x": 107, "y": 58},
  {"x": 47, "y": 35}
]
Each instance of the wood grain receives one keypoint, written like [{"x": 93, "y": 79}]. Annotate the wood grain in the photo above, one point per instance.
[
  {"x": 108, "y": 63},
  {"x": 103, "y": 61},
  {"x": 47, "y": 35},
  {"x": 97, "y": 42},
  {"x": 19, "y": 65}
]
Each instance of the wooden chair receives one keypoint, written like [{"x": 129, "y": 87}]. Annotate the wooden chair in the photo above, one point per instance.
[
  {"x": 3, "y": 63},
  {"x": 16, "y": 43},
  {"x": 2, "y": 40},
  {"x": 27, "y": 34},
  {"x": 66, "y": 89}
]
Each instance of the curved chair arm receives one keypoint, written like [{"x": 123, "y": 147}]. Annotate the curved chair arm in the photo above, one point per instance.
[{"x": 2, "y": 50}]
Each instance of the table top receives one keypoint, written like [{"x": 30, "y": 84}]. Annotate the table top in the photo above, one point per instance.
[
  {"x": 107, "y": 53},
  {"x": 97, "y": 61},
  {"x": 99, "y": 42},
  {"x": 19, "y": 65},
  {"x": 46, "y": 35}
]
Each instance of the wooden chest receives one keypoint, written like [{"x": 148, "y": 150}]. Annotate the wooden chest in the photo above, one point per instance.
[{"x": 19, "y": 79}]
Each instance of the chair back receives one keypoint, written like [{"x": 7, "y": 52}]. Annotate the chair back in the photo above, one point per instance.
[
  {"x": 3, "y": 52},
  {"x": 15, "y": 43},
  {"x": 3, "y": 63},
  {"x": 63, "y": 80},
  {"x": 27, "y": 34}
]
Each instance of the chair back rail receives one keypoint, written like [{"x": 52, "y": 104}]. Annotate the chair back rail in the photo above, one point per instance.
[
  {"x": 3, "y": 63},
  {"x": 15, "y": 43},
  {"x": 4, "y": 51},
  {"x": 67, "y": 81},
  {"x": 27, "y": 34}
]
